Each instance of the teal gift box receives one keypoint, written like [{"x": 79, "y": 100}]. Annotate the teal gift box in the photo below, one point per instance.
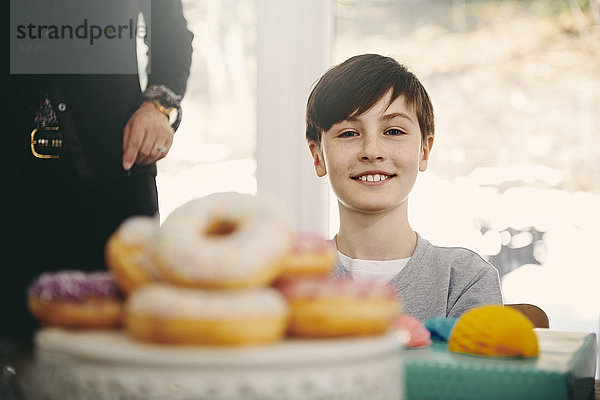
[{"x": 563, "y": 370}]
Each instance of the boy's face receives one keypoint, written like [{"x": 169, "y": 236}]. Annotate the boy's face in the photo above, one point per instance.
[{"x": 373, "y": 159}]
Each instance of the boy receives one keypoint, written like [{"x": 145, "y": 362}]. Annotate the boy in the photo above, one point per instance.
[{"x": 370, "y": 129}]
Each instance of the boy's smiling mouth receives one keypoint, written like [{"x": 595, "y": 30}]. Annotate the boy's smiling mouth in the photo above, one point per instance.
[{"x": 373, "y": 176}]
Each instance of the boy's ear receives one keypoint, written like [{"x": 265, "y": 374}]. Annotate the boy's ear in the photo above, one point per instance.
[
  {"x": 425, "y": 152},
  {"x": 318, "y": 159}
]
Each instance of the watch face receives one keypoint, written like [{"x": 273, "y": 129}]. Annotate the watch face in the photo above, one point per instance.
[
  {"x": 170, "y": 112},
  {"x": 172, "y": 116}
]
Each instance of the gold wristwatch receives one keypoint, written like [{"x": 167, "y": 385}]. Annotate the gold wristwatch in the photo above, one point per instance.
[{"x": 170, "y": 112}]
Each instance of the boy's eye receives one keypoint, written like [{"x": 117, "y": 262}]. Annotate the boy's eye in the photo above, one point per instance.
[
  {"x": 348, "y": 134},
  {"x": 394, "y": 132}
]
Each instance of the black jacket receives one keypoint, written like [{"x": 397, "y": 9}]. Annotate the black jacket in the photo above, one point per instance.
[{"x": 99, "y": 106}]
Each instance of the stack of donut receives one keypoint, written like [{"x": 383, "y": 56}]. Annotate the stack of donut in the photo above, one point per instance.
[{"x": 225, "y": 269}]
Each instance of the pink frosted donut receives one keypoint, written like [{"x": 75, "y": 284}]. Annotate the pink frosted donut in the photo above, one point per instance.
[
  {"x": 76, "y": 299},
  {"x": 328, "y": 307},
  {"x": 311, "y": 254}
]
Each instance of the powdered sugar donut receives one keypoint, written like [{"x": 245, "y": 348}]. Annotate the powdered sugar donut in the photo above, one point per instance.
[
  {"x": 161, "y": 313},
  {"x": 130, "y": 252},
  {"x": 76, "y": 299},
  {"x": 311, "y": 254},
  {"x": 224, "y": 240},
  {"x": 327, "y": 307}
]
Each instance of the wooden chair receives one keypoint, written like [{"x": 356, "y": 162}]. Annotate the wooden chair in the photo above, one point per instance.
[{"x": 536, "y": 315}]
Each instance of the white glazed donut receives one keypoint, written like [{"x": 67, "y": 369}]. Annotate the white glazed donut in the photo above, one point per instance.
[
  {"x": 160, "y": 313},
  {"x": 223, "y": 241}
]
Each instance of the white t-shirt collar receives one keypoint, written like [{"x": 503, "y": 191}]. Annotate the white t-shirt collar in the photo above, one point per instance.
[{"x": 382, "y": 271}]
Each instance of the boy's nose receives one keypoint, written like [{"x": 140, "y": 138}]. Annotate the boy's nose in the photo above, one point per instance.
[{"x": 371, "y": 150}]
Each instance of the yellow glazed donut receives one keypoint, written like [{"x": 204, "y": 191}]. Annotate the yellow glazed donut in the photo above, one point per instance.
[
  {"x": 160, "y": 313},
  {"x": 327, "y": 307},
  {"x": 129, "y": 253},
  {"x": 311, "y": 254},
  {"x": 223, "y": 241}
]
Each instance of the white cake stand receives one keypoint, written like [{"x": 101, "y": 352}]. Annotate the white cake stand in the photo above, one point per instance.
[{"x": 108, "y": 365}]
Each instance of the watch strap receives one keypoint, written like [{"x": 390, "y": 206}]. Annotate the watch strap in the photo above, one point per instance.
[{"x": 165, "y": 100}]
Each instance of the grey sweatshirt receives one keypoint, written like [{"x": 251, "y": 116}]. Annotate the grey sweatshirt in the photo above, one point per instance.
[{"x": 443, "y": 281}]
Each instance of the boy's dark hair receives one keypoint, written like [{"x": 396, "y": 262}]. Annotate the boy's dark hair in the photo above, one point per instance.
[{"x": 354, "y": 86}]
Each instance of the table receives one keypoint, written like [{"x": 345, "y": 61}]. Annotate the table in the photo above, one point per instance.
[{"x": 14, "y": 355}]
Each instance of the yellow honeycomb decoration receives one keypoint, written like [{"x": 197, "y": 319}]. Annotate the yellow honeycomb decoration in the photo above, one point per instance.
[{"x": 494, "y": 331}]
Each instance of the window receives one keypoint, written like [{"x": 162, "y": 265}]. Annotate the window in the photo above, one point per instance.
[
  {"x": 243, "y": 113},
  {"x": 214, "y": 147},
  {"x": 514, "y": 173}
]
